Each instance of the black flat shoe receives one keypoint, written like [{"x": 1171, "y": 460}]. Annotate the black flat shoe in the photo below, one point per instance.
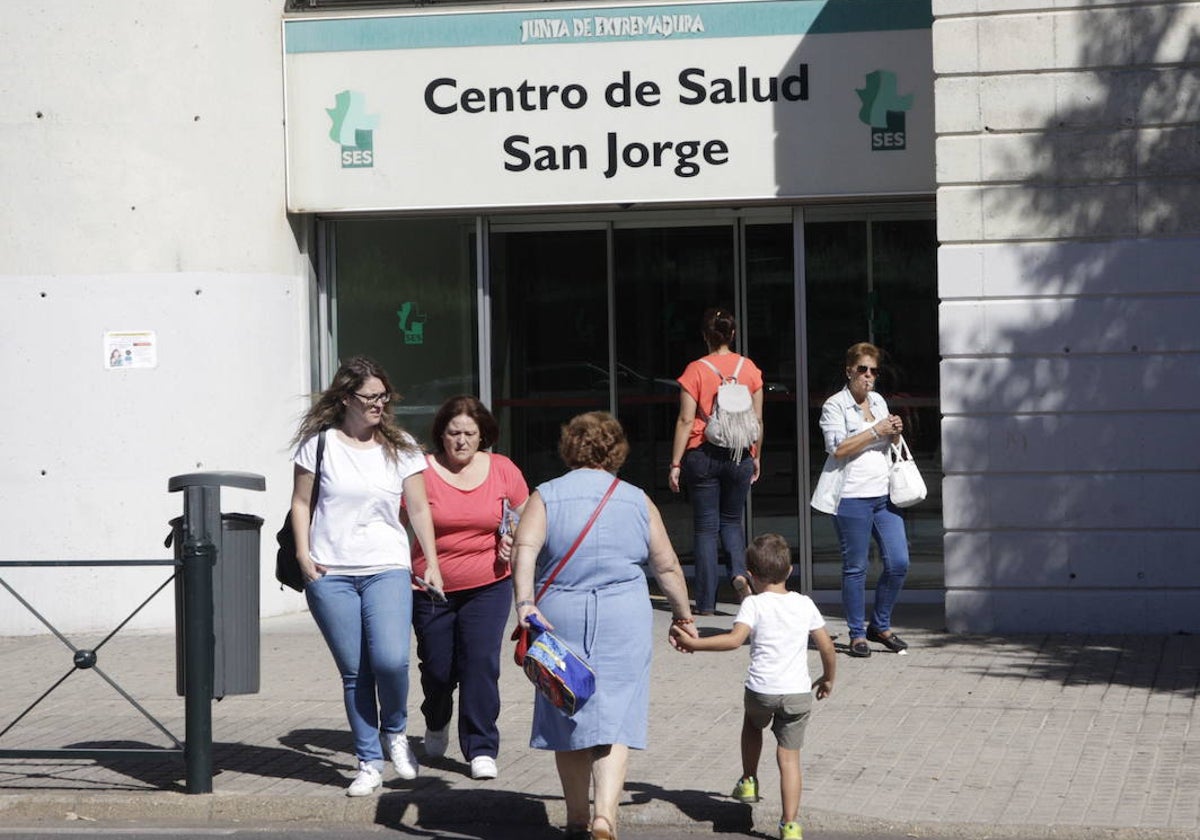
[
  {"x": 859, "y": 648},
  {"x": 891, "y": 641}
]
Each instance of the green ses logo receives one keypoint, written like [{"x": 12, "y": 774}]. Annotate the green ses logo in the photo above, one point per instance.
[
  {"x": 353, "y": 129},
  {"x": 883, "y": 110}
]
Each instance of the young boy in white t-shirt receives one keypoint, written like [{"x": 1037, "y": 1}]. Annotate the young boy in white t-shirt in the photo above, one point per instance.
[{"x": 778, "y": 688}]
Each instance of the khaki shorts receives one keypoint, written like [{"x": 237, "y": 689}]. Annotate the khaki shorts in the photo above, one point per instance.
[{"x": 787, "y": 714}]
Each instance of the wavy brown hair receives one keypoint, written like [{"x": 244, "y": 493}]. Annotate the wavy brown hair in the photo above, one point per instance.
[
  {"x": 593, "y": 440},
  {"x": 329, "y": 410}
]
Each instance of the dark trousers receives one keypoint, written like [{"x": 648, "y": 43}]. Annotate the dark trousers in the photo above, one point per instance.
[
  {"x": 718, "y": 487},
  {"x": 458, "y": 645}
]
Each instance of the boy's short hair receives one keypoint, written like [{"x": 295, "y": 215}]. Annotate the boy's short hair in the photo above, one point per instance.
[{"x": 769, "y": 558}]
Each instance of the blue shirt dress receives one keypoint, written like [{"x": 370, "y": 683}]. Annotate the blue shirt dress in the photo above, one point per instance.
[{"x": 600, "y": 606}]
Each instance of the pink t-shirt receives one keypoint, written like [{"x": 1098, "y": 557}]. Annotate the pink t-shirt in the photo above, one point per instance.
[
  {"x": 699, "y": 381},
  {"x": 466, "y": 523}
]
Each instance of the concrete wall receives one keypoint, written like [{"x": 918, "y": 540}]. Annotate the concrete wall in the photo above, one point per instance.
[
  {"x": 142, "y": 164},
  {"x": 1068, "y": 164}
]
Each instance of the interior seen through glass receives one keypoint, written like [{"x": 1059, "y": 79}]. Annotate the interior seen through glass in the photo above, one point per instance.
[{"x": 406, "y": 293}]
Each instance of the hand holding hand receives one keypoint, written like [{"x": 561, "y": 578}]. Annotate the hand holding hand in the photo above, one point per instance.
[{"x": 681, "y": 636}]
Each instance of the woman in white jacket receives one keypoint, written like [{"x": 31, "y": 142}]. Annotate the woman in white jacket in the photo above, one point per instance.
[{"x": 854, "y": 488}]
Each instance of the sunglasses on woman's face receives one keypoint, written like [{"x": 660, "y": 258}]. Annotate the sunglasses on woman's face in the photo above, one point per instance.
[{"x": 874, "y": 371}]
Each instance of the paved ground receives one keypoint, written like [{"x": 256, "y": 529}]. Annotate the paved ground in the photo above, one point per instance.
[{"x": 1034, "y": 736}]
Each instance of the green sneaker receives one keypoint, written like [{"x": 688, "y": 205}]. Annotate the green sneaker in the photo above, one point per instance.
[
  {"x": 746, "y": 790},
  {"x": 790, "y": 831}
]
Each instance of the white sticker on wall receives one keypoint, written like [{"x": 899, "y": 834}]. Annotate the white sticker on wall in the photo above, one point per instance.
[{"x": 130, "y": 349}]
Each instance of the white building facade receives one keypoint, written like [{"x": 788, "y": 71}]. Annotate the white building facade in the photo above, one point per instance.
[
  {"x": 208, "y": 207},
  {"x": 1068, "y": 176}
]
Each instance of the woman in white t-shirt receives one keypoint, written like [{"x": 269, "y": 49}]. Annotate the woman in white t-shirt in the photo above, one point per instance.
[
  {"x": 355, "y": 555},
  {"x": 858, "y": 431}
]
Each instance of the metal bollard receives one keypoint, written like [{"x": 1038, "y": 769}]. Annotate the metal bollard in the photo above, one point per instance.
[
  {"x": 202, "y": 535},
  {"x": 199, "y": 557}
]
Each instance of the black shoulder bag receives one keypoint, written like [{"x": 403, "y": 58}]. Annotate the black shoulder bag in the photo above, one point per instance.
[{"x": 287, "y": 567}]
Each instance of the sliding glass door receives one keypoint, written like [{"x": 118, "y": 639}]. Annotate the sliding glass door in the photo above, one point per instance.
[
  {"x": 569, "y": 314},
  {"x": 608, "y": 317}
]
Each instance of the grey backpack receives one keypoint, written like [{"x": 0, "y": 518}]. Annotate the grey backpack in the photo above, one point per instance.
[{"x": 732, "y": 423}]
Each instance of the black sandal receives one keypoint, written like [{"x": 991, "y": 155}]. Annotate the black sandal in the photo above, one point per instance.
[
  {"x": 891, "y": 641},
  {"x": 858, "y": 647}
]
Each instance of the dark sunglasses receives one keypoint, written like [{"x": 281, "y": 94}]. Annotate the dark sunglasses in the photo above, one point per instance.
[{"x": 874, "y": 371}]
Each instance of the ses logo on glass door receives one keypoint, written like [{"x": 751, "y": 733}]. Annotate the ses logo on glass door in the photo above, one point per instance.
[
  {"x": 883, "y": 110},
  {"x": 353, "y": 129}
]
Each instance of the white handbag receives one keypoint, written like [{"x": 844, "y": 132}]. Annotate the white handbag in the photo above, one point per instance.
[{"x": 905, "y": 485}]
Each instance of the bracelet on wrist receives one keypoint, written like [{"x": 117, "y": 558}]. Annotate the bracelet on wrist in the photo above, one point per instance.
[
  {"x": 675, "y": 466},
  {"x": 525, "y": 603},
  {"x": 875, "y": 433},
  {"x": 681, "y": 621}
]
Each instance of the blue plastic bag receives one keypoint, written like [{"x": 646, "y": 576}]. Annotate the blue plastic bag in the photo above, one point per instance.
[{"x": 562, "y": 676}]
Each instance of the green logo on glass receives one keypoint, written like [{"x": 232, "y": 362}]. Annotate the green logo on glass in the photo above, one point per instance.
[
  {"x": 411, "y": 323},
  {"x": 353, "y": 129},
  {"x": 883, "y": 110}
]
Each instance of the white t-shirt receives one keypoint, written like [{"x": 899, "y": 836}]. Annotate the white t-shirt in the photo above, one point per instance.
[
  {"x": 779, "y": 627},
  {"x": 356, "y": 528}
]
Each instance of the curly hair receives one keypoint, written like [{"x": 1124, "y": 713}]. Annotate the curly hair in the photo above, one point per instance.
[
  {"x": 329, "y": 410},
  {"x": 593, "y": 440},
  {"x": 489, "y": 429},
  {"x": 769, "y": 559}
]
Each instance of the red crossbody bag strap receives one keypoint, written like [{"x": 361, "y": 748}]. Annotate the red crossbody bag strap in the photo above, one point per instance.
[{"x": 611, "y": 489}]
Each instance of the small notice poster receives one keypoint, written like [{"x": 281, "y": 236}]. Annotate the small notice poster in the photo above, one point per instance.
[{"x": 130, "y": 349}]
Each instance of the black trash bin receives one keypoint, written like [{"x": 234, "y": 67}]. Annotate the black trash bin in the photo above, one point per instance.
[{"x": 236, "y": 654}]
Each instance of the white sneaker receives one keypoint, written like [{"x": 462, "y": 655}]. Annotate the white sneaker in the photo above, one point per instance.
[
  {"x": 436, "y": 741},
  {"x": 483, "y": 767},
  {"x": 402, "y": 755},
  {"x": 367, "y": 781}
]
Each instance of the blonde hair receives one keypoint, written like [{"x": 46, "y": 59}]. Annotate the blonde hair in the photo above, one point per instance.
[{"x": 857, "y": 351}]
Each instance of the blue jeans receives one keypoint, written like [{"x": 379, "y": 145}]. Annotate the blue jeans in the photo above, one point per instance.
[
  {"x": 718, "y": 487},
  {"x": 857, "y": 521},
  {"x": 458, "y": 645},
  {"x": 366, "y": 623}
]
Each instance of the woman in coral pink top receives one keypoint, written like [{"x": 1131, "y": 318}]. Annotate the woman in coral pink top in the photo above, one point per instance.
[
  {"x": 475, "y": 497},
  {"x": 717, "y": 478}
]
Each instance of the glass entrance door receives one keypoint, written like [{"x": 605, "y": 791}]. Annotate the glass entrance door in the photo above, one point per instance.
[
  {"x": 560, "y": 348},
  {"x": 872, "y": 277},
  {"x": 665, "y": 277},
  {"x": 604, "y": 313},
  {"x": 550, "y": 339}
]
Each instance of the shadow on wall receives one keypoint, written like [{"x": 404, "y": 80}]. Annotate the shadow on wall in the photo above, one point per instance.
[{"x": 1068, "y": 390}]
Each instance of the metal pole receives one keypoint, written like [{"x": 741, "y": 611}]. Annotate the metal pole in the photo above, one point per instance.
[{"x": 199, "y": 557}]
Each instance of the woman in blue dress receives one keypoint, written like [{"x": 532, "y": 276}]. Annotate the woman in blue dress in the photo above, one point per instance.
[{"x": 599, "y": 604}]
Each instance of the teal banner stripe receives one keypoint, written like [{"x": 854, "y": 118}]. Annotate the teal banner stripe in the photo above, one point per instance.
[{"x": 721, "y": 20}]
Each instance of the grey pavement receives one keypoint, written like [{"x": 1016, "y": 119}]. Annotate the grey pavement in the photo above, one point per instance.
[{"x": 966, "y": 736}]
